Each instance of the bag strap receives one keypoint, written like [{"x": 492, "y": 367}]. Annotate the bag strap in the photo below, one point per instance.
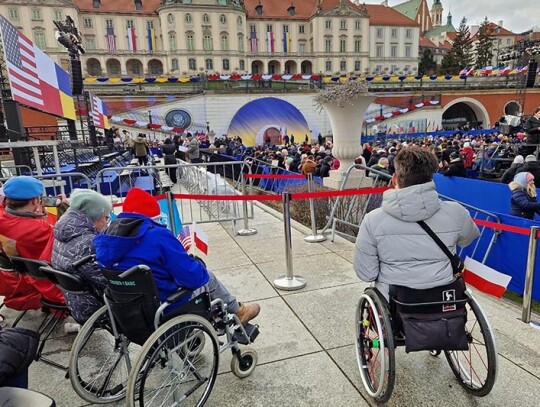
[{"x": 455, "y": 260}]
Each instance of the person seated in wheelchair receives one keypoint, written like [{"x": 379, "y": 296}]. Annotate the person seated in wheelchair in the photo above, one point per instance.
[
  {"x": 392, "y": 249},
  {"x": 137, "y": 237},
  {"x": 73, "y": 241}
]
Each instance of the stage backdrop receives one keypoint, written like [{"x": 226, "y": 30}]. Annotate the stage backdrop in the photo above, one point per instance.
[{"x": 275, "y": 117}]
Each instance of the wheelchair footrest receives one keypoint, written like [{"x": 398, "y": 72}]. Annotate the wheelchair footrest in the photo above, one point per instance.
[{"x": 252, "y": 332}]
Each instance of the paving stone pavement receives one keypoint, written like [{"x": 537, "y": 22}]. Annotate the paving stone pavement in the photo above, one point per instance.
[{"x": 306, "y": 346}]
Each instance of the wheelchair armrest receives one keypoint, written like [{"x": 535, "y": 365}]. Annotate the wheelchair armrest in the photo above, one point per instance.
[
  {"x": 132, "y": 270},
  {"x": 181, "y": 293},
  {"x": 84, "y": 260}
]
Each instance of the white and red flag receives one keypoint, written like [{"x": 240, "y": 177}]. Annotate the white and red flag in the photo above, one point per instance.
[
  {"x": 270, "y": 39},
  {"x": 192, "y": 237},
  {"x": 484, "y": 278},
  {"x": 200, "y": 238},
  {"x": 132, "y": 39}
]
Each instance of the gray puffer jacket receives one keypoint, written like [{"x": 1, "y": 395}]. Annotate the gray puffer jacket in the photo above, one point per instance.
[
  {"x": 73, "y": 240},
  {"x": 392, "y": 248}
]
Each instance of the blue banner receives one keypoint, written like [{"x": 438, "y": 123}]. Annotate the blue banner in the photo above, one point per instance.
[{"x": 167, "y": 218}]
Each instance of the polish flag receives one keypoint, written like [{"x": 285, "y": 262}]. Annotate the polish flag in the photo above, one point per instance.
[
  {"x": 200, "y": 238},
  {"x": 484, "y": 278}
]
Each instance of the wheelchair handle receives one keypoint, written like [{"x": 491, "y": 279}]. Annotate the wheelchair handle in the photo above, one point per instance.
[
  {"x": 133, "y": 270},
  {"x": 84, "y": 260}
]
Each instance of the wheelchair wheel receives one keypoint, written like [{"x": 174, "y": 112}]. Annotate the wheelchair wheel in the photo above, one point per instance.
[
  {"x": 244, "y": 362},
  {"x": 375, "y": 350},
  {"x": 175, "y": 366},
  {"x": 476, "y": 368},
  {"x": 99, "y": 364}
]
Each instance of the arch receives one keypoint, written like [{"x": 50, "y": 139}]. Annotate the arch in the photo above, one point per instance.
[
  {"x": 113, "y": 67},
  {"x": 155, "y": 67},
  {"x": 512, "y": 107},
  {"x": 470, "y": 111},
  {"x": 306, "y": 67},
  {"x": 257, "y": 67},
  {"x": 134, "y": 67},
  {"x": 290, "y": 67},
  {"x": 93, "y": 67},
  {"x": 253, "y": 119},
  {"x": 274, "y": 67}
]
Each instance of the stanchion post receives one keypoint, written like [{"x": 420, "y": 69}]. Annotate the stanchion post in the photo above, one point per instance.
[
  {"x": 314, "y": 237},
  {"x": 529, "y": 276},
  {"x": 171, "y": 217},
  {"x": 246, "y": 231},
  {"x": 288, "y": 282}
]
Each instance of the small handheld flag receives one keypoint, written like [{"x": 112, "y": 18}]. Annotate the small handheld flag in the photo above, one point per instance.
[{"x": 484, "y": 278}]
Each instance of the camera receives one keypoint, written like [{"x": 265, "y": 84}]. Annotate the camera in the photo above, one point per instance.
[{"x": 49, "y": 201}]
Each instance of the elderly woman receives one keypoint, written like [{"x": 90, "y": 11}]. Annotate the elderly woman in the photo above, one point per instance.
[
  {"x": 523, "y": 202},
  {"x": 73, "y": 240}
]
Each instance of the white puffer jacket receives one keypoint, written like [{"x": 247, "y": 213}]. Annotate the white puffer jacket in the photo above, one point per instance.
[{"x": 392, "y": 248}]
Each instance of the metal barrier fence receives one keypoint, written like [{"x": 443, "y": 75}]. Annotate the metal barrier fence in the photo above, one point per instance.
[
  {"x": 62, "y": 183},
  {"x": 9, "y": 171}
]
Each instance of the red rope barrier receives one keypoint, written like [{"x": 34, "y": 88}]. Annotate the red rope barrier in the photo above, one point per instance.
[
  {"x": 274, "y": 176},
  {"x": 500, "y": 226},
  {"x": 229, "y": 197},
  {"x": 346, "y": 192}
]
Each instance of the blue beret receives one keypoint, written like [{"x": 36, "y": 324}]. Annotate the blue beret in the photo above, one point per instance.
[{"x": 23, "y": 187}]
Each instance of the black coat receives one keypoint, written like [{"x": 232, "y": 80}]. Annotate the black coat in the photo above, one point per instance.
[
  {"x": 18, "y": 347},
  {"x": 534, "y": 168},
  {"x": 456, "y": 169},
  {"x": 532, "y": 127},
  {"x": 510, "y": 173}
]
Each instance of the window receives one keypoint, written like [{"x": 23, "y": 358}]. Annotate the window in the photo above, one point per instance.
[
  {"x": 378, "y": 68},
  {"x": 357, "y": 25},
  {"x": 39, "y": 40},
  {"x": 223, "y": 19},
  {"x": 357, "y": 66},
  {"x": 357, "y": 46},
  {"x": 209, "y": 64},
  {"x": 242, "y": 65},
  {"x": 205, "y": 18},
  {"x": 96, "y": 3},
  {"x": 408, "y": 33},
  {"x": 379, "y": 51},
  {"x": 343, "y": 25},
  {"x": 342, "y": 45},
  {"x": 393, "y": 51},
  {"x": 393, "y": 33},
  {"x": 130, "y": 24},
  {"x": 241, "y": 42},
  {"x": 13, "y": 14},
  {"x": 393, "y": 69},
  {"x": 174, "y": 65},
  {"x": 343, "y": 65},
  {"x": 170, "y": 18},
  {"x": 328, "y": 24},
  {"x": 328, "y": 66},
  {"x": 90, "y": 43},
  {"x": 226, "y": 65},
  {"x": 301, "y": 48},
  {"x": 138, "y": 4},
  {"x": 301, "y": 29},
  {"x": 239, "y": 21},
  {"x": 190, "y": 43},
  {"x": 207, "y": 43},
  {"x": 285, "y": 28},
  {"x": 252, "y": 28},
  {"x": 379, "y": 32},
  {"x": 224, "y": 42},
  {"x": 36, "y": 14},
  {"x": 188, "y": 18},
  {"x": 269, "y": 28},
  {"x": 407, "y": 68},
  {"x": 328, "y": 45},
  {"x": 172, "y": 41},
  {"x": 87, "y": 23},
  {"x": 108, "y": 23},
  {"x": 150, "y": 24},
  {"x": 58, "y": 15},
  {"x": 192, "y": 64},
  {"x": 408, "y": 51}
]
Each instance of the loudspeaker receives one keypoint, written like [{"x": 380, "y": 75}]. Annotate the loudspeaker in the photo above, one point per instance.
[
  {"x": 531, "y": 74},
  {"x": 76, "y": 77}
]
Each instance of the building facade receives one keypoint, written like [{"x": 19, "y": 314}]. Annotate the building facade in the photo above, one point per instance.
[{"x": 188, "y": 37}]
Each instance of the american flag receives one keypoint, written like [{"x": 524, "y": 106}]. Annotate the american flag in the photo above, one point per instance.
[
  {"x": 253, "y": 42},
  {"x": 98, "y": 112},
  {"x": 22, "y": 66},
  {"x": 185, "y": 238},
  {"x": 111, "y": 39}
]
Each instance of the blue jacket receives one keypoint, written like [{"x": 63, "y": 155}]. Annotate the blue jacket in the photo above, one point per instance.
[
  {"x": 522, "y": 204},
  {"x": 133, "y": 239}
]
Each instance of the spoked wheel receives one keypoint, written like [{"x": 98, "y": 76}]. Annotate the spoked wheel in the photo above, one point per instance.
[
  {"x": 177, "y": 365},
  {"x": 375, "y": 351},
  {"x": 476, "y": 368},
  {"x": 99, "y": 364},
  {"x": 244, "y": 362}
]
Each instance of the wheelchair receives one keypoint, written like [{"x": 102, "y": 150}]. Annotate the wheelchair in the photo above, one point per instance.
[
  {"x": 156, "y": 353},
  {"x": 380, "y": 329}
]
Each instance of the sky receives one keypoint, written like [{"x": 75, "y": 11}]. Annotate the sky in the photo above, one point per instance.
[{"x": 517, "y": 15}]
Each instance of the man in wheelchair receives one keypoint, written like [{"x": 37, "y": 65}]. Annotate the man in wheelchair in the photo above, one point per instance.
[
  {"x": 392, "y": 248},
  {"x": 136, "y": 237}
]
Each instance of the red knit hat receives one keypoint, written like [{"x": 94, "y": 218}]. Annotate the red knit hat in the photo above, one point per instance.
[{"x": 141, "y": 202}]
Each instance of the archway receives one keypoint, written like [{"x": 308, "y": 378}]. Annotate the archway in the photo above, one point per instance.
[
  {"x": 134, "y": 67},
  {"x": 257, "y": 68},
  {"x": 93, "y": 67},
  {"x": 463, "y": 112},
  {"x": 155, "y": 67},
  {"x": 113, "y": 67},
  {"x": 290, "y": 67},
  {"x": 306, "y": 67},
  {"x": 512, "y": 108},
  {"x": 272, "y": 131},
  {"x": 274, "y": 67}
]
